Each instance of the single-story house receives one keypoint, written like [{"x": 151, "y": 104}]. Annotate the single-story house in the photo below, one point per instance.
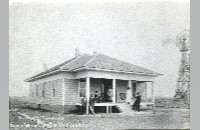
[{"x": 62, "y": 87}]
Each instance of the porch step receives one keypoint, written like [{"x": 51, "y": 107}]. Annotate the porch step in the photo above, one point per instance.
[{"x": 124, "y": 108}]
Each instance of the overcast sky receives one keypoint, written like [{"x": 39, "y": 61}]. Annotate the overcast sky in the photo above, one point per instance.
[{"x": 130, "y": 31}]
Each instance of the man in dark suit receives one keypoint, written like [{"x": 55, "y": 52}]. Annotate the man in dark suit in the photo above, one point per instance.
[{"x": 136, "y": 105}]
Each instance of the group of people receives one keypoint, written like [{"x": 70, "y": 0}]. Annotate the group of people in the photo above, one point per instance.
[{"x": 96, "y": 98}]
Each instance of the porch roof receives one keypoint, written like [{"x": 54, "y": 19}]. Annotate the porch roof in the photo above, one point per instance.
[{"x": 95, "y": 62}]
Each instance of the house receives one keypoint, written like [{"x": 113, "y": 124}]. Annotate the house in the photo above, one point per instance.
[{"x": 62, "y": 87}]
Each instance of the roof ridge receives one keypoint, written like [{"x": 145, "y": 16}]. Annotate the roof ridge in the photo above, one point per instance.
[{"x": 90, "y": 60}]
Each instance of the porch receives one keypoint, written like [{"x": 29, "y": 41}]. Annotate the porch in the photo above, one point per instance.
[{"x": 88, "y": 86}]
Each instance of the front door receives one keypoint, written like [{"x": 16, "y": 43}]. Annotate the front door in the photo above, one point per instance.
[
  {"x": 106, "y": 84},
  {"x": 134, "y": 89}
]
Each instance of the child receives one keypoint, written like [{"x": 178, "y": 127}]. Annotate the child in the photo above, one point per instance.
[{"x": 91, "y": 102}]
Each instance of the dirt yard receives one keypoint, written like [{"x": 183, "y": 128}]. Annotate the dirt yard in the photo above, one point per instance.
[{"x": 27, "y": 119}]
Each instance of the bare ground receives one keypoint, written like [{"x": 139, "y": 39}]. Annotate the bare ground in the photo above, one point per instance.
[{"x": 171, "y": 118}]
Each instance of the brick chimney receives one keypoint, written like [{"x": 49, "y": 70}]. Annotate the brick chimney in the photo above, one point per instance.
[
  {"x": 77, "y": 52},
  {"x": 95, "y": 53}
]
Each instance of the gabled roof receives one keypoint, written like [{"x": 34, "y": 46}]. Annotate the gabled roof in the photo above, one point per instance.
[{"x": 95, "y": 62}]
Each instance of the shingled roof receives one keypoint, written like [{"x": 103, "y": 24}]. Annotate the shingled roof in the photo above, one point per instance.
[{"x": 95, "y": 62}]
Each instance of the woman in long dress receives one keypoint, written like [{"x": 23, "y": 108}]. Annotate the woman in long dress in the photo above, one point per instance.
[
  {"x": 110, "y": 94},
  {"x": 136, "y": 105},
  {"x": 128, "y": 95}
]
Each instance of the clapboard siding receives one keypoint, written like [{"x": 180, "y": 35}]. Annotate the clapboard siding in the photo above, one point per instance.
[
  {"x": 71, "y": 91},
  {"x": 48, "y": 92},
  {"x": 48, "y": 84},
  {"x": 49, "y": 99}
]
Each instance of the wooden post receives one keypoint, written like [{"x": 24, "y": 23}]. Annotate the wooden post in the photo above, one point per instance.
[
  {"x": 114, "y": 90},
  {"x": 107, "y": 109},
  {"x": 87, "y": 94},
  {"x": 152, "y": 95},
  {"x": 63, "y": 95},
  {"x": 130, "y": 86},
  {"x": 146, "y": 99},
  {"x": 137, "y": 86}
]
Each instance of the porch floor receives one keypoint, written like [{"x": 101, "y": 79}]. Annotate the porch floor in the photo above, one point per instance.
[{"x": 122, "y": 107}]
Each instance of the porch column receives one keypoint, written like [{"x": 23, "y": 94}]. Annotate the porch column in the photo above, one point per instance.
[
  {"x": 87, "y": 94},
  {"x": 114, "y": 90},
  {"x": 137, "y": 86},
  {"x": 130, "y": 86},
  {"x": 63, "y": 96},
  {"x": 146, "y": 98},
  {"x": 152, "y": 94}
]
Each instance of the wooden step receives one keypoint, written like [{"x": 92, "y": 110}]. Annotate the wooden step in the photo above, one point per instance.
[{"x": 124, "y": 108}]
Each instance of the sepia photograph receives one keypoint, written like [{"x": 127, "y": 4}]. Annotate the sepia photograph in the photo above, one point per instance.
[{"x": 115, "y": 64}]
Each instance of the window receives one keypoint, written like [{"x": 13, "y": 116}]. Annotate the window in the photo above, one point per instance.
[
  {"x": 53, "y": 88},
  {"x": 31, "y": 89},
  {"x": 58, "y": 82},
  {"x": 54, "y": 92},
  {"x": 40, "y": 86},
  {"x": 43, "y": 94},
  {"x": 134, "y": 89},
  {"x": 43, "y": 90},
  {"x": 32, "y": 94},
  {"x": 37, "y": 92},
  {"x": 82, "y": 90}
]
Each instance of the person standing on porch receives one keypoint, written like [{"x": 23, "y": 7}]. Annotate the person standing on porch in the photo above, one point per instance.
[
  {"x": 109, "y": 94},
  {"x": 136, "y": 105},
  {"x": 128, "y": 95}
]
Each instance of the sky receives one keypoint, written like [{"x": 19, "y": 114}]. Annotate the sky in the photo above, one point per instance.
[{"x": 132, "y": 31}]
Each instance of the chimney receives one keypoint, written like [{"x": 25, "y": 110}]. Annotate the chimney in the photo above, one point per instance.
[
  {"x": 77, "y": 53},
  {"x": 44, "y": 67},
  {"x": 95, "y": 53}
]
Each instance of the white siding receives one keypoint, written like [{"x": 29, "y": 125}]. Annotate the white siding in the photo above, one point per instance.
[
  {"x": 48, "y": 99},
  {"x": 71, "y": 91},
  {"x": 48, "y": 95}
]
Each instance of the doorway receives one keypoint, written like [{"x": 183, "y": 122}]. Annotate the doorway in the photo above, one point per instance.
[
  {"x": 134, "y": 85},
  {"x": 106, "y": 84}
]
